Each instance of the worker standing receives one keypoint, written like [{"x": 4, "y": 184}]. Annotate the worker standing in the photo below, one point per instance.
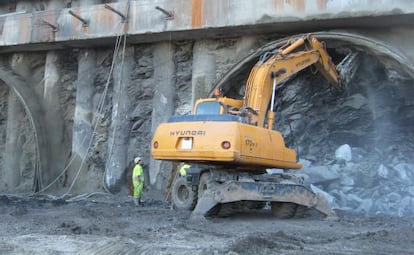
[
  {"x": 137, "y": 180},
  {"x": 183, "y": 169}
]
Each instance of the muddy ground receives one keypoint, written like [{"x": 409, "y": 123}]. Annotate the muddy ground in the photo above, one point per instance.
[{"x": 107, "y": 224}]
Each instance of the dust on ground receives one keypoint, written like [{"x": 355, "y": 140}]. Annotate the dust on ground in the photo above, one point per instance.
[{"x": 111, "y": 224}]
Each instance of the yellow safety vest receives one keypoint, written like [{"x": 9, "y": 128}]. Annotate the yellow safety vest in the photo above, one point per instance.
[
  {"x": 183, "y": 169},
  {"x": 138, "y": 171}
]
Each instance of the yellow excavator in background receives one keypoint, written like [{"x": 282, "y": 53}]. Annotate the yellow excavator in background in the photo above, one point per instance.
[{"x": 231, "y": 142}]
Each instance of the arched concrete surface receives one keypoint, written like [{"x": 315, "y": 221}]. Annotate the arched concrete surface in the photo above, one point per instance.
[
  {"x": 351, "y": 40},
  {"x": 34, "y": 111}
]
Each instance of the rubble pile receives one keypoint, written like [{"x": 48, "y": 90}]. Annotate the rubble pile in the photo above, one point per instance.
[{"x": 355, "y": 182}]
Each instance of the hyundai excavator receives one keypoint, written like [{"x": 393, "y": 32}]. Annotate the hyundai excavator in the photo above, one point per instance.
[{"x": 230, "y": 143}]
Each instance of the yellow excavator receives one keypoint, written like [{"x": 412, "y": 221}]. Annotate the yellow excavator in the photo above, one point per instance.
[{"x": 230, "y": 143}]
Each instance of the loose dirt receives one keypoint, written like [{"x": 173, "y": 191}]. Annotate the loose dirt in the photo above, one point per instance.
[{"x": 107, "y": 224}]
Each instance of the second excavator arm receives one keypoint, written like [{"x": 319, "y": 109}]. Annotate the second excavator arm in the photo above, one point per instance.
[{"x": 275, "y": 67}]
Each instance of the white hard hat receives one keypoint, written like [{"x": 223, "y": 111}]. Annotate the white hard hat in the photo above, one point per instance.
[{"x": 137, "y": 159}]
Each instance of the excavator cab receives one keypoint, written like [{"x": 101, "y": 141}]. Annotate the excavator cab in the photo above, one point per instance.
[
  {"x": 217, "y": 105},
  {"x": 208, "y": 106}
]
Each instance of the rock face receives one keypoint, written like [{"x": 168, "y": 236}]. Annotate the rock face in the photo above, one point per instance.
[{"x": 358, "y": 145}]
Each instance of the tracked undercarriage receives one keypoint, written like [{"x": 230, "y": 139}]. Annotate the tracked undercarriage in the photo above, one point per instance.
[{"x": 211, "y": 192}]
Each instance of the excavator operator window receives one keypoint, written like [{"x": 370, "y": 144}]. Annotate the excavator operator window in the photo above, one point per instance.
[{"x": 209, "y": 108}]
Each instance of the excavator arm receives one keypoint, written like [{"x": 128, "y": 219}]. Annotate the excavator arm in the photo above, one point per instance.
[{"x": 275, "y": 67}]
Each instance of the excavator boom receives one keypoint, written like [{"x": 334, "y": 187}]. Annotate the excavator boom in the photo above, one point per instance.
[{"x": 275, "y": 67}]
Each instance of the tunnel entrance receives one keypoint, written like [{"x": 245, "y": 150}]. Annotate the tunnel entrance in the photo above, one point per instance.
[{"x": 373, "y": 116}]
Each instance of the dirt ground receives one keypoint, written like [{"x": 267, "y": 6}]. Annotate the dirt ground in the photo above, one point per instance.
[{"x": 107, "y": 224}]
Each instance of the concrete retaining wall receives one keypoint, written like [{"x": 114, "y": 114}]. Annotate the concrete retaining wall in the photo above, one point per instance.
[{"x": 95, "y": 24}]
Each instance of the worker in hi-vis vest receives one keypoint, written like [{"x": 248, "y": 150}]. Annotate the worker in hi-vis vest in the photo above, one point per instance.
[
  {"x": 137, "y": 180},
  {"x": 183, "y": 169}
]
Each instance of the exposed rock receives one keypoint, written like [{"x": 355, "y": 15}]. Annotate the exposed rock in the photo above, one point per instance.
[
  {"x": 331, "y": 199},
  {"x": 405, "y": 172},
  {"x": 411, "y": 191},
  {"x": 365, "y": 206},
  {"x": 321, "y": 175},
  {"x": 383, "y": 171},
  {"x": 347, "y": 181},
  {"x": 343, "y": 153}
]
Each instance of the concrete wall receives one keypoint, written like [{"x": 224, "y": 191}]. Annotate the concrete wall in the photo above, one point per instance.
[{"x": 95, "y": 24}]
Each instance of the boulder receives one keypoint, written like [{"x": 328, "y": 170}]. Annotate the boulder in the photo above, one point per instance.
[{"x": 343, "y": 153}]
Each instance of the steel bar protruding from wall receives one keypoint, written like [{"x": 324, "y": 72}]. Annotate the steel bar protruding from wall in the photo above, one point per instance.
[{"x": 84, "y": 21}]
